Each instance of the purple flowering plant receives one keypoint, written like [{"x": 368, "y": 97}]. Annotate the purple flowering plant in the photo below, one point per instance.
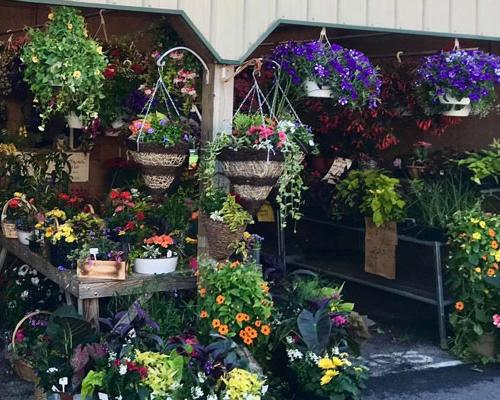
[
  {"x": 459, "y": 74},
  {"x": 354, "y": 82}
]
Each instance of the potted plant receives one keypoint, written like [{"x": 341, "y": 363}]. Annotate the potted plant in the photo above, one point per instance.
[
  {"x": 260, "y": 153},
  {"x": 100, "y": 258},
  {"x": 416, "y": 168},
  {"x": 330, "y": 70},
  {"x": 160, "y": 146},
  {"x": 64, "y": 68},
  {"x": 458, "y": 83},
  {"x": 158, "y": 255},
  {"x": 21, "y": 221},
  {"x": 224, "y": 221},
  {"x": 375, "y": 195}
]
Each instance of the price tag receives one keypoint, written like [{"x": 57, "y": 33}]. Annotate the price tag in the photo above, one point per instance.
[{"x": 94, "y": 251}]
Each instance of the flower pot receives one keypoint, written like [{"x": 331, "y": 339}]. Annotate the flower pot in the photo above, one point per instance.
[
  {"x": 160, "y": 166},
  {"x": 314, "y": 90},
  {"x": 24, "y": 237},
  {"x": 220, "y": 237},
  {"x": 458, "y": 107},
  {"x": 252, "y": 173},
  {"x": 485, "y": 345},
  {"x": 148, "y": 266},
  {"x": 74, "y": 121},
  {"x": 97, "y": 269},
  {"x": 58, "y": 255}
]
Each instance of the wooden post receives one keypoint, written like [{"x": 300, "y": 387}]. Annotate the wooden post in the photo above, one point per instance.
[
  {"x": 217, "y": 110},
  {"x": 91, "y": 311}
]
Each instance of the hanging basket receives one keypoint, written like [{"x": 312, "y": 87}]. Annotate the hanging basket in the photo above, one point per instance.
[
  {"x": 160, "y": 166},
  {"x": 252, "y": 173},
  {"x": 23, "y": 369},
  {"x": 220, "y": 238},
  {"x": 458, "y": 107},
  {"x": 9, "y": 229},
  {"x": 314, "y": 90}
]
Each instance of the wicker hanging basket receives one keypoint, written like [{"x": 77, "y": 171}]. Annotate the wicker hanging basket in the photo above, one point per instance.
[
  {"x": 160, "y": 166},
  {"x": 23, "y": 369},
  {"x": 220, "y": 238},
  {"x": 252, "y": 173}
]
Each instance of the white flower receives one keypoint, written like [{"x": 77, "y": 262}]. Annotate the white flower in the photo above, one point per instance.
[
  {"x": 24, "y": 295},
  {"x": 216, "y": 216},
  {"x": 35, "y": 281},
  {"x": 118, "y": 397},
  {"x": 201, "y": 377},
  {"x": 312, "y": 357},
  {"x": 132, "y": 334},
  {"x": 123, "y": 369},
  {"x": 18, "y": 283},
  {"x": 289, "y": 340},
  {"x": 12, "y": 304},
  {"x": 197, "y": 392},
  {"x": 52, "y": 370},
  {"x": 211, "y": 397},
  {"x": 294, "y": 354},
  {"x": 264, "y": 389},
  {"x": 102, "y": 396}
]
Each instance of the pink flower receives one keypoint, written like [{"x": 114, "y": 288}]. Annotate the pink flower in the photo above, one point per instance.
[
  {"x": 265, "y": 132},
  {"x": 176, "y": 55},
  {"x": 421, "y": 143},
  {"x": 193, "y": 264},
  {"x": 496, "y": 320},
  {"x": 282, "y": 138},
  {"x": 339, "y": 321}
]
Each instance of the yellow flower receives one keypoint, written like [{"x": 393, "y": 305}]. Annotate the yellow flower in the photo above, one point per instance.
[
  {"x": 99, "y": 49},
  {"x": 77, "y": 74},
  {"x": 482, "y": 224},
  {"x": 328, "y": 376},
  {"x": 70, "y": 26},
  {"x": 18, "y": 195},
  {"x": 474, "y": 220},
  {"x": 50, "y": 16},
  {"x": 121, "y": 233},
  {"x": 34, "y": 59},
  {"x": 246, "y": 235},
  {"x": 476, "y": 236},
  {"x": 497, "y": 256},
  {"x": 85, "y": 33},
  {"x": 478, "y": 270},
  {"x": 325, "y": 363},
  {"x": 70, "y": 239},
  {"x": 190, "y": 240},
  {"x": 337, "y": 362}
]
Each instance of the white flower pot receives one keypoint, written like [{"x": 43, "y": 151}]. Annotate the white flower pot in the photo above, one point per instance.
[
  {"x": 24, "y": 236},
  {"x": 314, "y": 90},
  {"x": 458, "y": 108},
  {"x": 155, "y": 266},
  {"x": 74, "y": 121}
]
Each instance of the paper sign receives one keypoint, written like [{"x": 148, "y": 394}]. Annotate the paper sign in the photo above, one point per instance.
[
  {"x": 339, "y": 166},
  {"x": 266, "y": 213},
  {"x": 80, "y": 163}
]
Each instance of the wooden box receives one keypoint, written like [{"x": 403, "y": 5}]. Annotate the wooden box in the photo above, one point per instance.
[{"x": 102, "y": 270}]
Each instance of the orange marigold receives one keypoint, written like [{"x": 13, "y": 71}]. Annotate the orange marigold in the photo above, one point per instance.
[
  {"x": 216, "y": 323},
  {"x": 202, "y": 292},
  {"x": 241, "y": 317},
  {"x": 247, "y": 341},
  {"x": 235, "y": 264},
  {"x": 459, "y": 306},
  {"x": 253, "y": 334},
  {"x": 223, "y": 330},
  {"x": 243, "y": 334},
  {"x": 220, "y": 299},
  {"x": 491, "y": 232},
  {"x": 491, "y": 272},
  {"x": 203, "y": 314},
  {"x": 258, "y": 323},
  {"x": 494, "y": 245},
  {"x": 266, "y": 330}
]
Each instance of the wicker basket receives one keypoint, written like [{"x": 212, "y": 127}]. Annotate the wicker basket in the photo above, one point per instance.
[
  {"x": 252, "y": 173},
  {"x": 160, "y": 166},
  {"x": 8, "y": 228},
  {"x": 220, "y": 238},
  {"x": 23, "y": 369}
]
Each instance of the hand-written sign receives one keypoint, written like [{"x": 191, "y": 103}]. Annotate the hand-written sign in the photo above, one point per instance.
[
  {"x": 339, "y": 166},
  {"x": 80, "y": 163}
]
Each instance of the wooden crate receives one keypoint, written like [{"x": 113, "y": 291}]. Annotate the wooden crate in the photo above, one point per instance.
[{"x": 102, "y": 270}]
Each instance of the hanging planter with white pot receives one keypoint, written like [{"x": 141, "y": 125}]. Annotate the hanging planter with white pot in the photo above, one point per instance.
[
  {"x": 313, "y": 89},
  {"x": 457, "y": 107},
  {"x": 149, "y": 266}
]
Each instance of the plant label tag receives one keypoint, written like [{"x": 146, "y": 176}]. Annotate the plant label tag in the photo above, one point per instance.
[
  {"x": 63, "y": 381},
  {"x": 266, "y": 213},
  {"x": 94, "y": 251},
  {"x": 339, "y": 166},
  {"x": 102, "y": 396}
]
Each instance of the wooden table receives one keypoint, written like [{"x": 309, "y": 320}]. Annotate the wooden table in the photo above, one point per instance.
[{"x": 87, "y": 292}]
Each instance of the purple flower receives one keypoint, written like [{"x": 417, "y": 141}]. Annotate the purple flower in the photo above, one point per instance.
[
  {"x": 163, "y": 122},
  {"x": 151, "y": 130},
  {"x": 61, "y": 268}
]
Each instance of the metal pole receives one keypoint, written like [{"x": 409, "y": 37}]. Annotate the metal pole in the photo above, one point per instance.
[
  {"x": 440, "y": 295},
  {"x": 3, "y": 256}
]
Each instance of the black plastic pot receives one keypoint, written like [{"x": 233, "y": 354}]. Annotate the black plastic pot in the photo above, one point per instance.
[{"x": 58, "y": 255}]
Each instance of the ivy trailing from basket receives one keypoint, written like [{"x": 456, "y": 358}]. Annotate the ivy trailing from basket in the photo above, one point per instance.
[{"x": 284, "y": 138}]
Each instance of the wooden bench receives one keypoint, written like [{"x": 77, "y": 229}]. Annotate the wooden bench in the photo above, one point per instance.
[{"x": 87, "y": 292}]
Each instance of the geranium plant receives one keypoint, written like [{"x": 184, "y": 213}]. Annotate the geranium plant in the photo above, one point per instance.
[
  {"x": 234, "y": 301},
  {"x": 158, "y": 246},
  {"x": 459, "y": 74},
  {"x": 64, "y": 67},
  {"x": 352, "y": 80}
]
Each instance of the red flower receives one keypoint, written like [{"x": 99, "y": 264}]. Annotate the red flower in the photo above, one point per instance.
[
  {"x": 110, "y": 72},
  {"x": 126, "y": 196},
  {"x": 14, "y": 203},
  {"x": 73, "y": 200},
  {"x": 139, "y": 216},
  {"x": 129, "y": 226},
  {"x": 117, "y": 362},
  {"x": 137, "y": 68},
  {"x": 114, "y": 194},
  {"x": 63, "y": 196},
  {"x": 19, "y": 338},
  {"x": 115, "y": 53},
  {"x": 143, "y": 372}
]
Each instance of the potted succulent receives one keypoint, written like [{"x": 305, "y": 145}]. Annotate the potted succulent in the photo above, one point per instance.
[
  {"x": 158, "y": 255},
  {"x": 330, "y": 70},
  {"x": 260, "y": 153},
  {"x": 160, "y": 146},
  {"x": 64, "y": 68},
  {"x": 224, "y": 221},
  {"x": 458, "y": 83}
]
